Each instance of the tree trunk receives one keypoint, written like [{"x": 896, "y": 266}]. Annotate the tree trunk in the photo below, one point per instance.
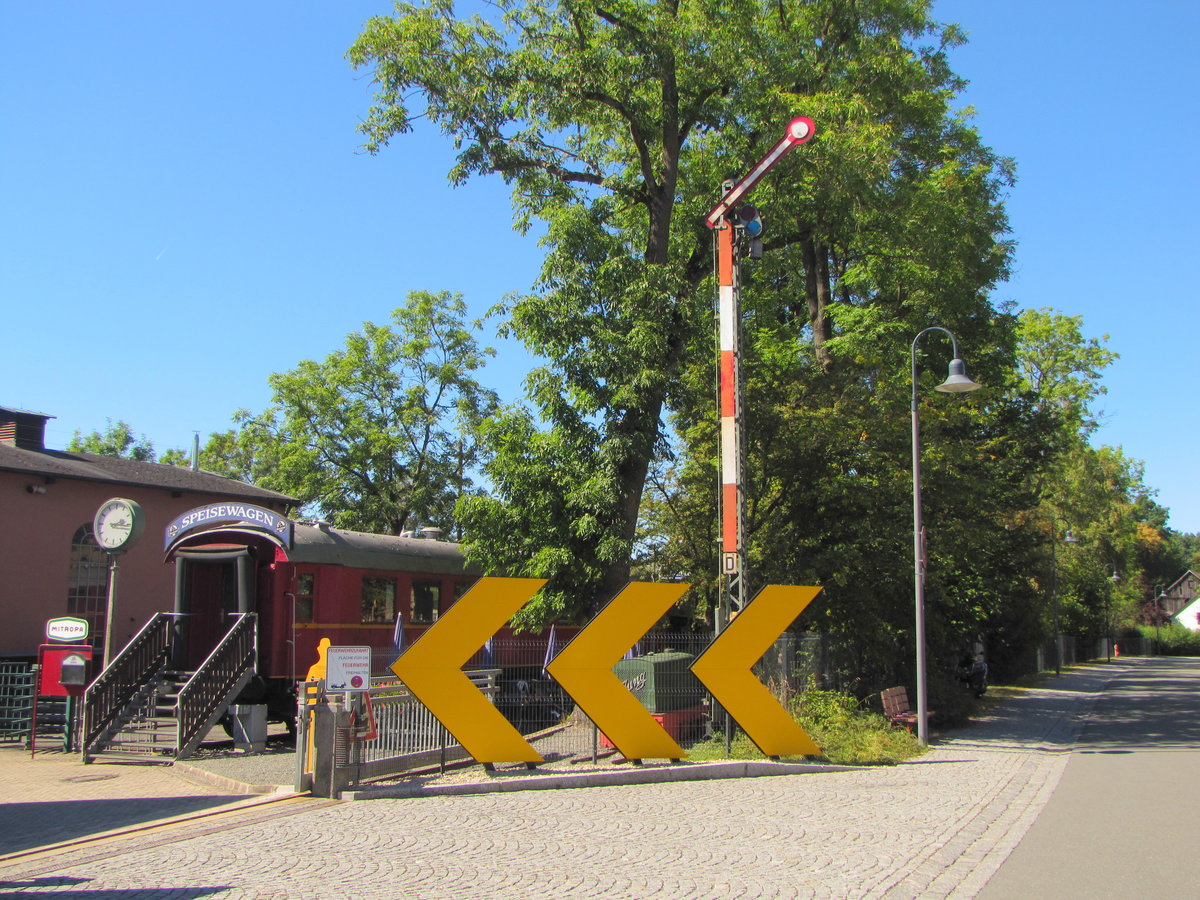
[{"x": 816, "y": 293}]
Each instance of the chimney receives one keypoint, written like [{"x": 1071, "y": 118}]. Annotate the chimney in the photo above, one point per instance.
[{"x": 23, "y": 429}]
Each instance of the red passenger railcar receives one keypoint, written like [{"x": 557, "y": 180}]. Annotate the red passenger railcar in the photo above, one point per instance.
[{"x": 311, "y": 581}]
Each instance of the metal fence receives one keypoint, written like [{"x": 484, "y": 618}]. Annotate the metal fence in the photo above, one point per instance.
[
  {"x": 16, "y": 701},
  {"x": 399, "y": 734},
  {"x": 512, "y": 673},
  {"x": 381, "y": 732}
]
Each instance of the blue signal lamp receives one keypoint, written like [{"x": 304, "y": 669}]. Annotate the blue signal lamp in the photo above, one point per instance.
[{"x": 747, "y": 218}]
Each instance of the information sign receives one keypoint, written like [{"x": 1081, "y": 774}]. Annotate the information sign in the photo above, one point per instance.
[{"x": 348, "y": 669}]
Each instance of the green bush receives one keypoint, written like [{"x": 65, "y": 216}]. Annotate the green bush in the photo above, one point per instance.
[
  {"x": 1174, "y": 640},
  {"x": 847, "y": 733}
]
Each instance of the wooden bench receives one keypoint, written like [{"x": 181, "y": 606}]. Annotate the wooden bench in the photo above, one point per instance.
[{"x": 896, "y": 709}]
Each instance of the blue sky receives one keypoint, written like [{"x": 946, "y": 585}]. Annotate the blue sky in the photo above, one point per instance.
[{"x": 184, "y": 210}]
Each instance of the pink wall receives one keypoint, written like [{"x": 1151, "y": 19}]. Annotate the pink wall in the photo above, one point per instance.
[{"x": 35, "y": 554}]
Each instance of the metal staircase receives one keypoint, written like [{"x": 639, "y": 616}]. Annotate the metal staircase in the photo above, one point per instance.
[
  {"x": 148, "y": 728},
  {"x": 139, "y": 708}
]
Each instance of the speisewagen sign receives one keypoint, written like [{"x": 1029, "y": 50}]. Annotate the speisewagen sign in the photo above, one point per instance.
[{"x": 247, "y": 515}]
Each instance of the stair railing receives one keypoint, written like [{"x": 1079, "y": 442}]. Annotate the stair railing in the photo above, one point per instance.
[
  {"x": 216, "y": 682},
  {"x": 123, "y": 678}
]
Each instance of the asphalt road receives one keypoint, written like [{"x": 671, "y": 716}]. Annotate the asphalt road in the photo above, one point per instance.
[{"x": 1124, "y": 818}]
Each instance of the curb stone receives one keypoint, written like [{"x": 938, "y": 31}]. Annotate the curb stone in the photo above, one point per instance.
[{"x": 659, "y": 775}]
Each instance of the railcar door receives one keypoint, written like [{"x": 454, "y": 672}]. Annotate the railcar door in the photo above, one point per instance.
[{"x": 210, "y": 586}]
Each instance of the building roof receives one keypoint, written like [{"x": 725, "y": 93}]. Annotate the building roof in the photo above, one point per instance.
[
  {"x": 1184, "y": 586},
  {"x": 129, "y": 472},
  {"x": 12, "y": 410}
]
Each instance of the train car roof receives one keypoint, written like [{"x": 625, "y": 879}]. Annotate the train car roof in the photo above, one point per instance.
[{"x": 359, "y": 550}]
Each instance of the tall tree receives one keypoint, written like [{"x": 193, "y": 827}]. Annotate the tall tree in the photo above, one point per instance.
[
  {"x": 1061, "y": 367},
  {"x": 616, "y": 123},
  {"x": 115, "y": 440},
  {"x": 379, "y": 436}
]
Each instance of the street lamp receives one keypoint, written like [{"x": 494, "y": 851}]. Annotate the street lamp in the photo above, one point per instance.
[
  {"x": 956, "y": 382},
  {"x": 1159, "y": 596},
  {"x": 1068, "y": 538},
  {"x": 1114, "y": 578}
]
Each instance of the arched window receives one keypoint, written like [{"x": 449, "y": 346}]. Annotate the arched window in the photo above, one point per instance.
[{"x": 87, "y": 591}]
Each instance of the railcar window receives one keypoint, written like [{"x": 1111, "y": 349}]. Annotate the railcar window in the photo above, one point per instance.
[
  {"x": 378, "y": 600},
  {"x": 426, "y": 597},
  {"x": 304, "y": 596}
]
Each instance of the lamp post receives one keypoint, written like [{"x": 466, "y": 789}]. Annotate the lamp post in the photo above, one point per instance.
[
  {"x": 1113, "y": 579},
  {"x": 1068, "y": 538},
  {"x": 956, "y": 382},
  {"x": 1158, "y": 599}
]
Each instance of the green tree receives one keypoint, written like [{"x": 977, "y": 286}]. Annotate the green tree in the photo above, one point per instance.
[
  {"x": 1061, "y": 367},
  {"x": 246, "y": 452},
  {"x": 1185, "y": 551},
  {"x": 379, "y": 436},
  {"x": 119, "y": 440},
  {"x": 176, "y": 457},
  {"x": 1096, "y": 492},
  {"x": 615, "y": 124},
  {"x": 115, "y": 440}
]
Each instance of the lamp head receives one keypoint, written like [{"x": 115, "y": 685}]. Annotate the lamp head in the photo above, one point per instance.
[
  {"x": 1069, "y": 537},
  {"x": 957, "y": 381}
]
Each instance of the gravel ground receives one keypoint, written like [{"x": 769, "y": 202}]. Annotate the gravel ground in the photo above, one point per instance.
[{"x": 274, "y": 767}]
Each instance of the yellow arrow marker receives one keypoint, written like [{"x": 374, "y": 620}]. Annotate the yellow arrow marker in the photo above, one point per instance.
[
  {"x": 432, "y": 669},
  {"x": 584, "y": 669},
  {"x": 725, "y": 666}
]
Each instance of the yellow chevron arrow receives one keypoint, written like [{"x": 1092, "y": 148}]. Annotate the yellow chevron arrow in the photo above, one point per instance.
[
  {"x": 725, "y": 666},
  {"x": 584, "y": 669},
  {"x": 432, "y": 669}
]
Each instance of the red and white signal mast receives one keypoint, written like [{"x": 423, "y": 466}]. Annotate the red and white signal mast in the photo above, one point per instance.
[{"x": 732, "y": 223}]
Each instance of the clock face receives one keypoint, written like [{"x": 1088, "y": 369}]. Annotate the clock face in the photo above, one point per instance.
[{"x": 118, "y": 524}]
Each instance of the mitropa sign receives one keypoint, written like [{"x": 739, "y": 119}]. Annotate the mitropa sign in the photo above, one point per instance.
[
  {"x": 246, "y": 516},
  {"x": 67, "y": 629}
]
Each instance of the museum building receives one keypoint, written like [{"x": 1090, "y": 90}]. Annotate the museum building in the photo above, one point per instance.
[{"x": 50, "y": 563}]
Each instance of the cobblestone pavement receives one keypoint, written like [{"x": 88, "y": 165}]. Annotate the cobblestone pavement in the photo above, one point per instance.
[
  {"x": 936, "y": 827},
  {"x": 52, "y": 798}
]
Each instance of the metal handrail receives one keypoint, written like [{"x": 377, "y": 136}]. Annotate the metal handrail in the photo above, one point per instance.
[
  {"x": 124, "y": 677},
  {"x": 228, "y": 668}
]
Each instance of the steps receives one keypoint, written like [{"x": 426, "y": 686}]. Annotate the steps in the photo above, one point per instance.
[
  {"x": 151, "y": 732},
  {"x": 140, "y": 708}
]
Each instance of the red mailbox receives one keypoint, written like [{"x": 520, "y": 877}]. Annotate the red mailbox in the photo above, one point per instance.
[{"x": 63, "y": 669}]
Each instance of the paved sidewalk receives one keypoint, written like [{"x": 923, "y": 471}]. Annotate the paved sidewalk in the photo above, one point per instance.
[
  {"x": 53, "y": 798},
  {"x": 940, "y": 826}
]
